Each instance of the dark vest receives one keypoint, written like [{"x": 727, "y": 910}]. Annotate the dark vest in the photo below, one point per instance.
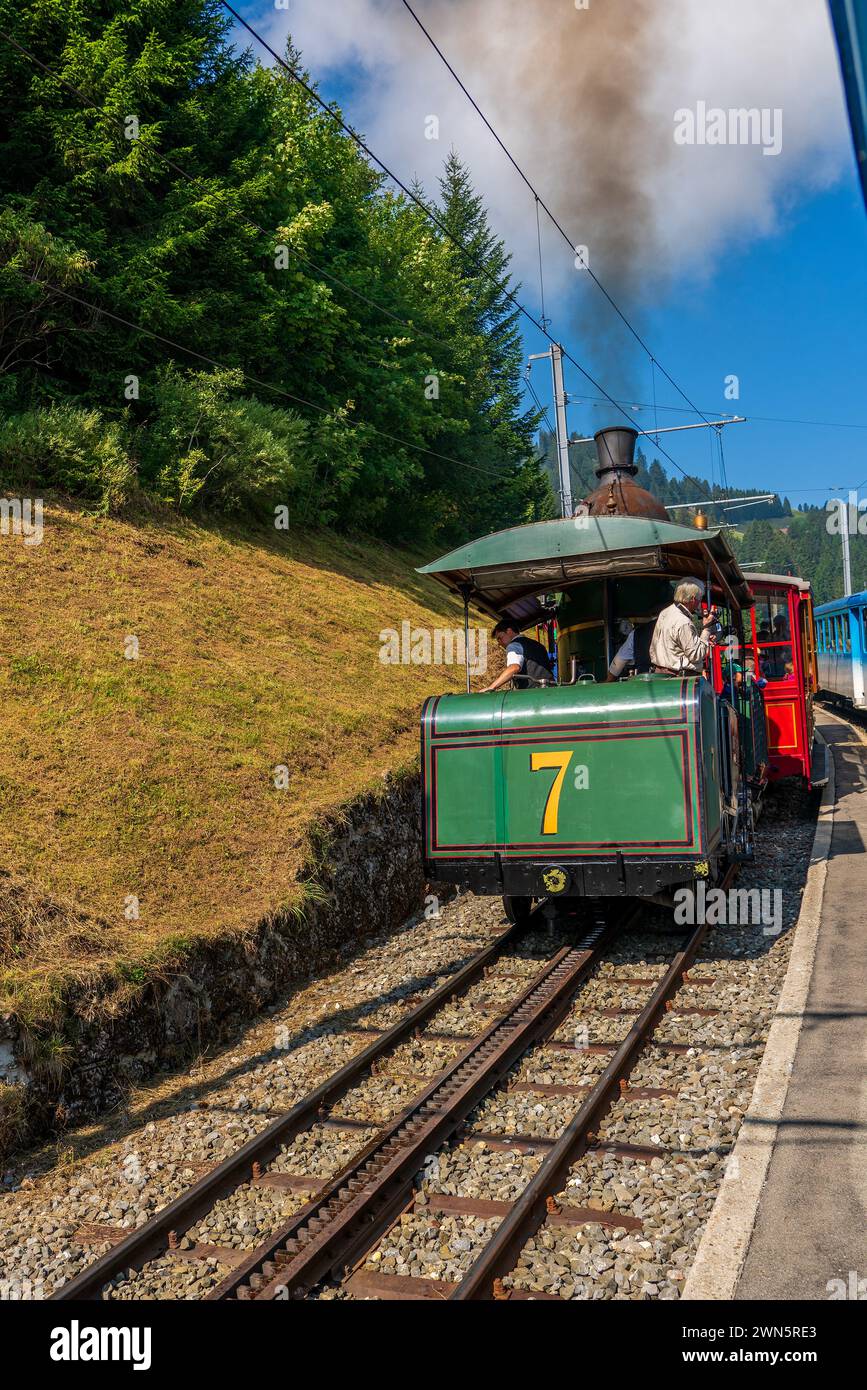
[{"x": 537, "y": 665}]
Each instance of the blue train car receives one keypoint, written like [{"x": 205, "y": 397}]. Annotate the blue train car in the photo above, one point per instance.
[{"x": 841, "y": 631}]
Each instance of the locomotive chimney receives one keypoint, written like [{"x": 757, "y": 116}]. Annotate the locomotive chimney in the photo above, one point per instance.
[
  {"x": 615, "y": 449},
  {"x": 617, "y": 493}
]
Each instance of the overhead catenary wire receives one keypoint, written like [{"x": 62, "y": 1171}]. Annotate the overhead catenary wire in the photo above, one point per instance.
[
  {"x": 710, "y": 443},
  {"x": 544, "y": 318},
  {"x": 653, "y": 384},
  {"x": 541, "y": 203},
  {"x": 542, "y": 408},
  {"x": 721, "y": 416},
  {"x": 437, "y": 221},
  {"x": 722, "y": 457}
]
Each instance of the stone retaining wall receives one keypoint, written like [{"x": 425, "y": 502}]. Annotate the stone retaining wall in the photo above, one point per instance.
[{"x": 363, "y": 875}]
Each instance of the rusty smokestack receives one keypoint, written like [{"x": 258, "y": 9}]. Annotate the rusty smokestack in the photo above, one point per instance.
[
  {"x": 617, "y": 493},
  {"x": 615, "y": 449}
]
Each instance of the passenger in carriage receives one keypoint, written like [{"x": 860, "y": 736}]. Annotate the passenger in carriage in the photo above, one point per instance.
[
  {"x": 678, "y": 648},
  {"x": 634, "y": 651},
  {"x": 752, "y": 676}
]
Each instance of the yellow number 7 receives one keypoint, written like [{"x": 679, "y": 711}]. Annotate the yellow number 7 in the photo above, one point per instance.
[{"x": 539, "y": 761}]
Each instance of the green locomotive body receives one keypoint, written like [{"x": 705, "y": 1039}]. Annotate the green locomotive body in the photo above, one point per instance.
[{"x": 589, "y": 789}]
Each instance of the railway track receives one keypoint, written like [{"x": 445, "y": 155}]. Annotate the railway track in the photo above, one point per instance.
[
  {"x": 537, "y": 1205},
  {"x": 162, "y": 1234},
  {"x": 331, "y": 1238},
  {"x": 535, "y": 1208}
]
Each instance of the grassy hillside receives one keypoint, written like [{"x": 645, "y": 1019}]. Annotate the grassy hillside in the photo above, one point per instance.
[{"x": 153, "y": 777}]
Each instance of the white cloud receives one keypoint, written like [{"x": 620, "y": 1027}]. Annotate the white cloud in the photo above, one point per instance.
[
  {"x": 586, "y": 101},
  {"x": 518, "y": 60}
]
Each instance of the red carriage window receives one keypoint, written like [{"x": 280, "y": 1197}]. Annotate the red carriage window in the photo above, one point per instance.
[{"x": 771, "y": 636}]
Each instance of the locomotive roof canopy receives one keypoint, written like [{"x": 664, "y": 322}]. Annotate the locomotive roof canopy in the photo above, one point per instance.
[{"x": 503, "y": 572}]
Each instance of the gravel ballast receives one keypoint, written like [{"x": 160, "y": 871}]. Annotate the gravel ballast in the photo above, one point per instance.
[{"x": 118, "y": 1174}]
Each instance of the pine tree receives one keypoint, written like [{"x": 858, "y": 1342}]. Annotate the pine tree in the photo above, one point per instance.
[
  {"x": 489, "y": 374},
  {"x": 133, "y": 175}
]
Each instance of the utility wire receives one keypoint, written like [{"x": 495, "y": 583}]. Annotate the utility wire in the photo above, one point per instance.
[
  {"x": 265, "y": 385},
  {"x": 541, "y": 271},
  {"x": 542, "y": 408},
  {"x": 636, "y": 335},
  {"x": 438, "y": 222},
  {"x": 722, "y": 418},
  {"x": 722, "y": 458}
]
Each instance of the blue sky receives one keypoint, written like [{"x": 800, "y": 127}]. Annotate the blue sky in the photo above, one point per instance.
[
  {"x": 788, "y": 315},
  {"x": 764, "y": 260}
]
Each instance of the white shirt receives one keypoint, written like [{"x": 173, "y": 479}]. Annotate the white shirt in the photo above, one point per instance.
[
  {"x": 676, "y": 643},
  {"x": 514, "y": 656}
]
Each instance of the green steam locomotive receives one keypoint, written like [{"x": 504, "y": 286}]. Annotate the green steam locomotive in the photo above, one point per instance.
[{"x": 587, "y": 786}]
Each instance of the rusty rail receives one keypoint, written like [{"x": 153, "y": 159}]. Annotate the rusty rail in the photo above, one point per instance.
[
  {"x": 155, "y": 1238},
  {"x": 361, "y": 1201}
]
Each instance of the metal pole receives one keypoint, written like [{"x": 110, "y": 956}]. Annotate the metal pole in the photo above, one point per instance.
[
  {"x": 467, "y": 636},
  {"x": 676, "y": 429},
  {"x": 753, "y": 498},
  {"x": 562, "y": 432},
  {"x": 844, "y": 534}
]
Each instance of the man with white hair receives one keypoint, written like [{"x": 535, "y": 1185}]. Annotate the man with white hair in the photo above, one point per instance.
[{"x": 678, "y": 648}]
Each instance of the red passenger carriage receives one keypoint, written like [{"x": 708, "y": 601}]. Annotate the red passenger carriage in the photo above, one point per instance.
[{"x": 780, "y": 648}]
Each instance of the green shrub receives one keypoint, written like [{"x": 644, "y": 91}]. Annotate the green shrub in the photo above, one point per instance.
[
  {"x": 202, "y": 447},
  {"x": 73, "y": 450}
]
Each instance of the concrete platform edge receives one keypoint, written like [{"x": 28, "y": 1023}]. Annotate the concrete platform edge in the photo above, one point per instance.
[{"x": 723, "y": 1248}]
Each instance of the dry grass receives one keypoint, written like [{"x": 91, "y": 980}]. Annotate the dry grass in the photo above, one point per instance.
[{"x": 154, "y": 778}]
